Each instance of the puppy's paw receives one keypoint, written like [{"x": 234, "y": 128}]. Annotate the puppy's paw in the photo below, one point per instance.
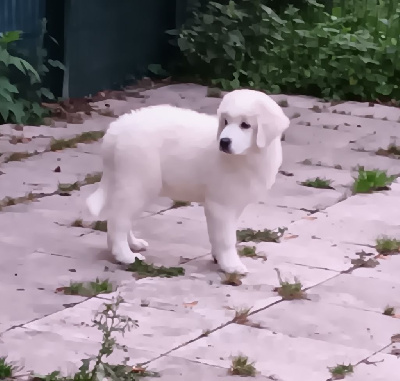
[
  {"x": 137, "y": 244},
  {"x": 232, "y": 265},
  {"x": 128, "y": 258}
]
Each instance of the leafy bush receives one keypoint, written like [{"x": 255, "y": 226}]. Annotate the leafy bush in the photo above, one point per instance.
[
  {"x": 21, "y": 85},
  {"x": 348, "y": 53}
]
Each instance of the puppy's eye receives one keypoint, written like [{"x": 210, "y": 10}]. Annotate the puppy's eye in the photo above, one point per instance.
[
  {"x": 226, "y": 122},
  {"x": 245, "y": 125}
]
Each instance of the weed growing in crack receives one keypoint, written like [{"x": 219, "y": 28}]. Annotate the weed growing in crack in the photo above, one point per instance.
[
  {"x": 369, "y": 181},
  {"x": 250, "y": 252},
  {"x": 99, "y": 225},
  {"x": 109, "y": 322},
  {"x": 96, "y": 225},
  {"x": 88, "y": 289},
  {"x": 242, "y": 367},
  {"x": 18, "y": 156},
  {"x": 92, "y": 178},
  {"x": 339, "y": 372},
  {"x": 266, "y": 235},
  {"x": 85, "y": 137},
  {"x": 7, "y": 369},
  {"x": 144, "y": 270},
  {"x": 393, "y": 150},
  {"x": 241, "y": 315},
  {"x": 78, "y": 223},
  {"x": 232, "y": 279},
  {"x": 180, "y": 204},
  {"x": 60, "y": 144},
  {"x": 205, "y": 333},
  {"x": 290, "y": 291},
  {"x": 387, "y": 246},
  {"x": 318, "y": 183},
  {"x": 66, "y": 188},
  {"x": 389, "y": 311},
  {"x": 10, "y": 201}
]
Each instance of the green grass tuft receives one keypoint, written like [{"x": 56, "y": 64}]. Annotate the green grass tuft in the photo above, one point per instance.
[
  {"x": 242, "y": 367},
  {"x": 144, "y": 270},
  {"x": 369, "y": 181},
  {"x": 317, "y": 183},
  {"x": 339, "y": 372},
  {"x": 266, "y": 235},
  {"x": 88, "y": 289},
  {"x": 387, "y": 246}
]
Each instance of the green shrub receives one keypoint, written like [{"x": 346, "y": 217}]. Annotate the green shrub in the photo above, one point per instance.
[
  {"x": 348, "y": 53},
  {"x": 21, "y": 84}
]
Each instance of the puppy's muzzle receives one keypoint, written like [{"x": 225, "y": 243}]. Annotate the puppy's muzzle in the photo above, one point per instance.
[{"x": 225, "y": 145}]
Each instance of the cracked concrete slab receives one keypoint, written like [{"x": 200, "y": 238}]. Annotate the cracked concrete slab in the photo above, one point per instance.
[
  {"x": 283, "y": 357},
  {"x": 327, "y": 229},
  {"x": 330, "y": 323},
  {"x": 174, "y": 368},
  {"x": 364, "y": 293}
]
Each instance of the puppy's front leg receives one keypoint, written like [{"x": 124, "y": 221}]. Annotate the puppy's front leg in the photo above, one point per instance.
[{"x": 221, "y": 225}]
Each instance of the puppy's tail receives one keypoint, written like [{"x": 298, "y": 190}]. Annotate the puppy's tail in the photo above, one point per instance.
[{"x": 96, "y": 201}]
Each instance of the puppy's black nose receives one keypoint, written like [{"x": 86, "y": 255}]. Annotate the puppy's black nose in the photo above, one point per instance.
[{"x": 225, "y": 144}]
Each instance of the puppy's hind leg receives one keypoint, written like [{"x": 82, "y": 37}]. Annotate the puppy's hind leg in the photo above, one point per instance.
[
  {"x": 137, "y": 180},
  {"x": 118, "y": 230}
]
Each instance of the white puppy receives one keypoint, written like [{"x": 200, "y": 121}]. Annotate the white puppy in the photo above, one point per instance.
[{"x": 225, "y": 163}]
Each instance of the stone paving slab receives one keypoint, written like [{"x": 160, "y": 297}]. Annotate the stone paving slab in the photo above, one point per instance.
[
  {"x": 379, "y": 368},
  {"x": 49, "y": 351},
  {"x": 364, "y": 293},
  {"x": 196, "y": 295},
  {"x": 188, "y": 319},
  {"x": 330, "y": 323},
  {"x": 275, "y": 354},
  {"x": 175, "y": 368},
  {"x": 174, "y": 328}
]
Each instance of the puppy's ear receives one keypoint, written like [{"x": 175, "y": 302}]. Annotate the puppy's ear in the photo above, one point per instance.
[{"x": 272, "y": 122}]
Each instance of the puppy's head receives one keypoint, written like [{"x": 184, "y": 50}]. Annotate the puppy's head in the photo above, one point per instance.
[{"x": 249, "y": 120}]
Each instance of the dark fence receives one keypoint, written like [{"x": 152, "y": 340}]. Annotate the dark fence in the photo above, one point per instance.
[
  {"x": 109, "y": 42},
  {"x": 26, "y": 16},
  {"x": 102, "y": 43}
]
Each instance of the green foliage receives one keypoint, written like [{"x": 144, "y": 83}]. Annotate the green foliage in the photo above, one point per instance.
[
  {"x": 369, "y": 181},
  {"x": 6, "y": 369},
  {"x": 21, "y": 84},
  {"x": 348, "y": 53}
]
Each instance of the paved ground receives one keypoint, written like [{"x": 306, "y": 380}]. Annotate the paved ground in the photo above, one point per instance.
[{"x": 341, "y": 322}]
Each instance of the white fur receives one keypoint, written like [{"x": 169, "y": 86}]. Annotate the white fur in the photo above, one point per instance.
[{"x": 172, "y": 152}]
